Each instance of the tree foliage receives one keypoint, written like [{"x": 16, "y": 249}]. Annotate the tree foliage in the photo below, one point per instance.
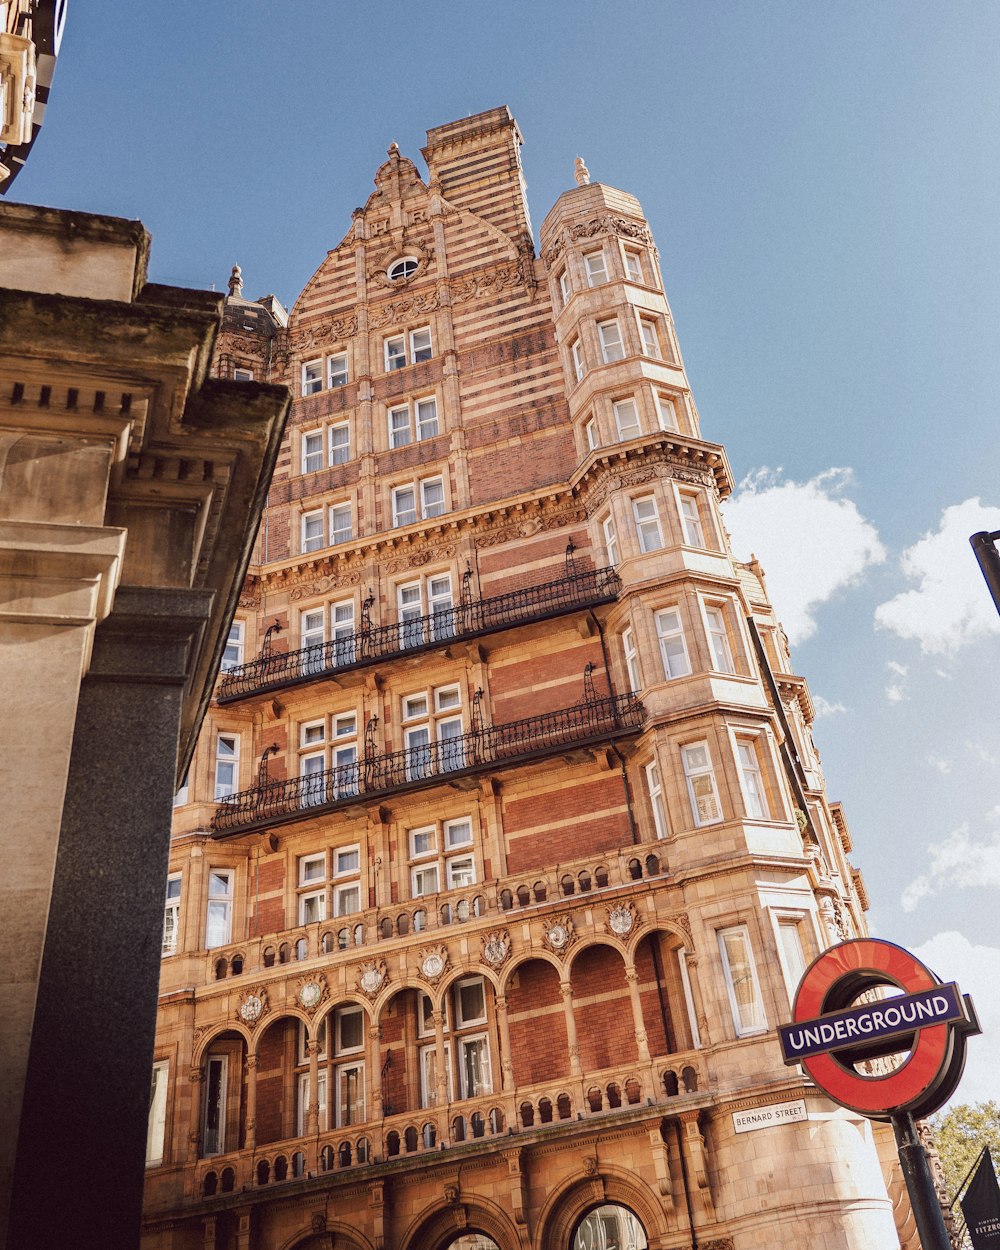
[{"x": 960, "y": 1133}]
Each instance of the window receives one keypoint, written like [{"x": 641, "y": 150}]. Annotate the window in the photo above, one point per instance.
[
  {"x": 312, "y": 888},
  {"x": 627, "y": 419},
  {"x": 666, "y": 412},
  {"x": 631, "y": 660},
  {"x": 430, "y": 597},
  {"x": 172, "y": 914},
  {"x": 341, "y": 523},
  {"x": 610, "y": 334},
  {"x": 242, "y": 375},
  {"x": 590, "y": 430},
  {"x": 673, "y": 649},
  {"x": 233, "y": 653},
  {"x": 429, "y": 1073},
  {"x": 435, "y": 744},
  {"x": 402, "y": 350},
  {"x": 718, "y": 637},
  {"x": 156, "y": 1125},
  {"x": 312, "y": 377},
  {"x": 474, "y": 1066},
  {"x": 312, "y": 531},
  {"x": 340, "y": 443},
  {"x": 576, "y": 355},
  {"x": 337, "y": 370},
  {"x": 214, "y": 1128},
  {"x": 421, "y": 423},
  {"x": 741, "y": 981},
  {"x": 470, "y": 1002},
  {"x": 657, "y": 806},
  {"x": 694, "y": 535},
  {"x": 565, "y": 290},
  {"x": 312, "y": 635},
  {"x": 751, "y": 780},
  {"x": 597, "y": 270},
  {"x": 219, "y": 917},
  {"x": 633, "y": 265},
  {"x": 404, "y": 268},
  {"x": 342, "y": 780},
  {"x": 647, "y": 524},
  {"x": 700, "y": 777},
  {"x": 650, "y": 336},
  {"x": 610, "y": 539},
  {"x": 404, "y": 501},
  {"x": 793, "y": 959},
  {"x": 440, "y": 857},
  {"x": 302, "y": 1106},
  {"x": 312, "y": 451},
  {"x": 349, "y": 1087},
  {"x": 227, "y": 765},
  {"x": 349, "y": 1029},
  {"x": 342, "y": 631}
]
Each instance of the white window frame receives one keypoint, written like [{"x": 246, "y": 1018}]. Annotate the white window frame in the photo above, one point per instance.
[
  {"x": 312, "y": 376},
  {"x": 215, "y": 1145},
  {"x": 315, "y": 541},
  {"x": 746, "y": 1024},
  {"x": 242, "y": 375},
  {"x": 428, "y": 1078},
  {"x": 692, "y": 525},
  {"x": 337, "y": 513},
  {"x": 654, "y": 789},
  {"x": 595, "y": 266},
  {"x": 399, "y": 423},
  {"x": 419, "y": 350},
  {"x": 634, "y": 271},
  {"x": 425, "y": 879},
  {"x": 753, "y": 786},
  {"x": 404, "y": 516},
  {"x": 485, "y": 1065},
  {"x": 431, "y": 509},
  {"x": 688, "y": 996},
  {"x": 670, "y": 631},
  {"x": 565, "y": 290},
  {"x": 666, "y": 412},
  {"x": 343, "y": 892},
  {"x": 219, "y": 924},
  {"x": 627, "y": 429},
  {"x": 473, "y": 1021},
  {"x": 576, "y": 356},
  {"x": 234, "y": 641},
  {"x": 172, "y": 915},
  {"x": 394, "y": 351},
  {"x": 338, "y": 449},
  {"x": 342, "y": 852},
  {"x": 693, "y": 775},
  {"x": 647, "y": 526},
  {"x": 423, "y": 842},
  {"x": 339, "y": 1016},
  {"x": 610, "y": 532},
  {"x": 337, "y": 371},
  {"x": 591, "y": 435},
  {"x": 649, "y": 335},
  {"x": 360, "y": 1105},
  {"x": 464, "y": 865},
  {"x": 316, "y": 455},
  {"x": 609, "y": 334},
  {"x": 796, "y": 923},
  {"x": 302, "y": 1103},
  {"x": 631, "y": 659},
  {"x": 227, "y": 763},
  {"x": 156, "y": 1122},
  {"x": 717, "y": 628}
]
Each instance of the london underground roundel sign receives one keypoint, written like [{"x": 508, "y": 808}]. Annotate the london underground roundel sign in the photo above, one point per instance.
[{"x": 833, "y": 1034}]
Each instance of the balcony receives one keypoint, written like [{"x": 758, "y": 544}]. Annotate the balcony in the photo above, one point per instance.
[
  {"x": 479, "y": 751},
  {"x": 469, "y": 619}
]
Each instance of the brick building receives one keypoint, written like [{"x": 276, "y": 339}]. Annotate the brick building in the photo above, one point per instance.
[{"x": 505, "y": 841}]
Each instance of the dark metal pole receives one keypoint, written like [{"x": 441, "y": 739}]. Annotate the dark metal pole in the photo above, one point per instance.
[
  {"x": 984, "y": 545},
  {"x": 920, "y": 1184}
]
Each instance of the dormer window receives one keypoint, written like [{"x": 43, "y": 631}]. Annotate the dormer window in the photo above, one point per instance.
[{"x": 404, "y": 268}]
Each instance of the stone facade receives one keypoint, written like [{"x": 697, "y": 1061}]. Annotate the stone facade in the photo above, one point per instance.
[{"x": 506, "y": 840}]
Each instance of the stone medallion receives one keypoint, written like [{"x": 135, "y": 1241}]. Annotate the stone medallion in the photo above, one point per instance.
[
  {"x": 372, "y": 976},
  {"x": 496, "y": 947}
]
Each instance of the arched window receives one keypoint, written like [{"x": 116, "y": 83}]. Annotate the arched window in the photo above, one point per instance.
[
  {"x": 473, "y": 1241},
  {"x": 611, "y": 1227},
  {"x": 404, "y": 268}
]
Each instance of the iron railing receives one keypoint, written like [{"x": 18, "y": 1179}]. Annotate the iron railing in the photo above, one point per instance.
[
  {"x": 469, "y": 619},
  {"x": 481, "y": 750}
]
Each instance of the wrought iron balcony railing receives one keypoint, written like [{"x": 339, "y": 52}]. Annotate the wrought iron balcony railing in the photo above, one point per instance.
[
  {"x": 481, "y": 750},
  {"x": 465, "y": 620}
]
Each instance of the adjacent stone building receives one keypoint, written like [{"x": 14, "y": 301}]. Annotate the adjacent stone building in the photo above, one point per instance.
[{"x": 506, "y": 842}]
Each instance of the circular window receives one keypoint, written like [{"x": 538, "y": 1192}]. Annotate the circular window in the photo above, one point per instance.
[
  {"x": 404, "y": 268},
  {"x": 610, "y": 1227}
]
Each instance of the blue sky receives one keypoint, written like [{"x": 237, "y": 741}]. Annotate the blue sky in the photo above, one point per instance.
[{"x": 824, "y": 186}]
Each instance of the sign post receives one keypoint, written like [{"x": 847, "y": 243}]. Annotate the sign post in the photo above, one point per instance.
[{"x": 846, "y": 1030}]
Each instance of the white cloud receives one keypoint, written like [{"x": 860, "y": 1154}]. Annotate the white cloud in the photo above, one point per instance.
[
  {"x": 811, "y": 541},
  {"x": 825, "y": 708},
  {"x": 957, "y": 862},
  {"x": 942, "y": 765},
  {"x": 950, "y": 605},
  {"x": 894, "y": 666},
  {"x": 954, "y": 958}
]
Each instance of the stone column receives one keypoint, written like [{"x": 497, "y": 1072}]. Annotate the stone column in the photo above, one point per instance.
[
  {"x": 506, "y": 1057},
  {"x": 575, "y": 1067},
  {"x": 312, "y": 1111},
  {"x": 375, "y": 1060},
  {"x": 442, "y": 1075},
  {"x": 250, "y": 1140},
  {"x": 641, "y": 1040},
  {"x": 101, "y": 963}
]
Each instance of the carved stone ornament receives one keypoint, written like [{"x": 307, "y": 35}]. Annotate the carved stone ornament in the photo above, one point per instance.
[
  {"x": 451, "y": 1194},
  {"x": 433, "y": 962},
  {"x": 681, "y": 921},
  {"x": 320, "y": 334},
  {"x": 319, "y": 1223},
  {"x": 371, "y": 976},
  {"x": 622, "y": 919},
  {"x": 496, "y": 947},
  {"x": 311, "y": 991},
  {"x": 560, "y": 934},
  {"x": 253, "y": 1006}
]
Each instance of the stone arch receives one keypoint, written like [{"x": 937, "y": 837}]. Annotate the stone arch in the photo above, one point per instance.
[
  {"x": 567, "y": 1205},
  {"x": 437, "y": 1226},
  {"x": 540, "y": 954},
  {"x": 446, "y": 984},
  {"x": 345, "y": 1236},
  {"x": 602, "y": 1006},
  {"x": 539, "y": 1040},
  {"x": 348, "y": 1000},
  {"x": 273, "y": 1018},
  {"x": 588, "y": 944},
  {"x": 226, "y": 1026},
  {"x": 665, "y": 1009}
]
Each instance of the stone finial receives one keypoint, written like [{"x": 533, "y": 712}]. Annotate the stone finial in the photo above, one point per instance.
[
  {"x": 393, "y": 149},
  {"x": 236, "y": 282},
  {"x": 581, "y": 173}
]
